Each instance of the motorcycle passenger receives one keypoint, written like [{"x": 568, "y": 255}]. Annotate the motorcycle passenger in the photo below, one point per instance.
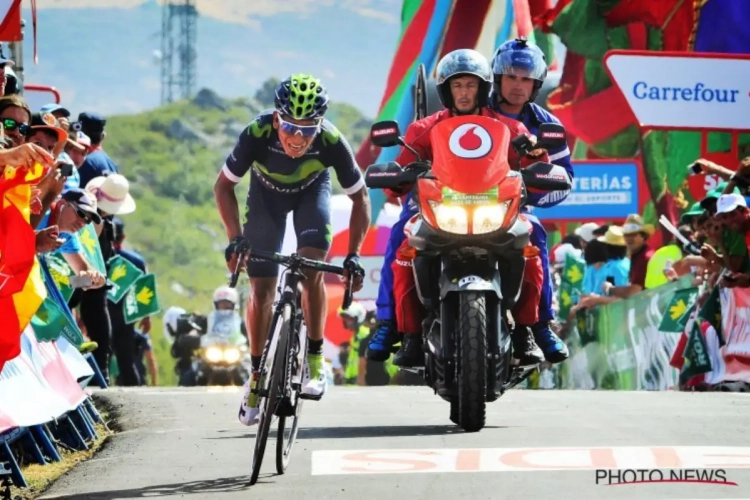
[
  {"x": 520, "y": 69},
  {"x": 464, "y": 79},
  {"x": 184, "y": 337},
  {"x": 288, "y": 152},
  {"x": 358, "y": 371}
]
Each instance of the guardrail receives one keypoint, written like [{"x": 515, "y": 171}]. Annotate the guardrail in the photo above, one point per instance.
[{"x": 44, "y": 405}]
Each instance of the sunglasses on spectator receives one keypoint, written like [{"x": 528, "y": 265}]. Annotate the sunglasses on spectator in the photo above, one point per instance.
[
  {"x": 80, "y": 213},
  {"x": 11, "y": 124},
  {"x": 306, "y": 131}
]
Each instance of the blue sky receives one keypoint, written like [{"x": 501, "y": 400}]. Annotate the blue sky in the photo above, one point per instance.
[{"x": 103, "y": 58}]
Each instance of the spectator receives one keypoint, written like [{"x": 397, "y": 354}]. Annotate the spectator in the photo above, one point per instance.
[
  {"x": 5, "y": 65},
  {"x": 45, "y": 132},
  {"x": 732, "y": 211},
  {"x": 125, "y": 339},
  {"x": 112, "y": 194},
  {"x": 97, "y": 163},
  {"x": 665, "y": 258},
  {"x": 586, "y": 233},
  {"x": 561, "y": 252},
  {"x": 77, "y": 148},
  {"x": 594, "y": 275},
  {"x": 15, "y": 116},
  {"x": 636, "y": 233}
]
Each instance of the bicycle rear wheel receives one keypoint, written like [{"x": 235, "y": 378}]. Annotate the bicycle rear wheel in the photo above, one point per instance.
[
  {"x": 284, "y": 442},
  {"x": 272, "y": 381}
]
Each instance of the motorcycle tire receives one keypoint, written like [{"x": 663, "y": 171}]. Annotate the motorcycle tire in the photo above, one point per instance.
[{"x": 472, "y": 366}]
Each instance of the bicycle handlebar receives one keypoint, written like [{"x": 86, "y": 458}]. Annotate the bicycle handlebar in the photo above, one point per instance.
[{"x": 295, "y": 262}]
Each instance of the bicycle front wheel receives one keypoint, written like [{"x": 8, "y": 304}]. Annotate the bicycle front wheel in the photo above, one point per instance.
[{"x": 272, "y": 382}]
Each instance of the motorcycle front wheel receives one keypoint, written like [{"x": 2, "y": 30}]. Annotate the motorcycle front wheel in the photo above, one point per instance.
[{"x": 471, "y": 333}]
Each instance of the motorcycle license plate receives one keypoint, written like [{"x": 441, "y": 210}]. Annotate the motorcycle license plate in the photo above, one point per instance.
[{"x": 456, "y": 198}]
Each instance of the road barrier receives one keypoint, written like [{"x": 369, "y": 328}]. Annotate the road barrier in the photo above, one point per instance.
[{"x": 44, "y": 405}]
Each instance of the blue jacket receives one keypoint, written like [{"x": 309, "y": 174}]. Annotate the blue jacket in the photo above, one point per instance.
[{"x": 532, "y": 116}]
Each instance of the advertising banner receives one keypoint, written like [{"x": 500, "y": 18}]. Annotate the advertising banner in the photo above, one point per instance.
[
  {"x": 681, "y": 90},
  {"x": 601, "y": 190}
]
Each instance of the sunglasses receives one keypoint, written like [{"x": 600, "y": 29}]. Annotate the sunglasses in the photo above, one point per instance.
[
  {"x": 306, "y": 131},
  {"x": 80, "y": 213},
  {"x": 11, "y": 124}
]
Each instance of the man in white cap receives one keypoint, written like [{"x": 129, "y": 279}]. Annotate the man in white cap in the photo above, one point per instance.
[
  {"x": 732, "y": 211},
  {"x": 587, "y": 232}
]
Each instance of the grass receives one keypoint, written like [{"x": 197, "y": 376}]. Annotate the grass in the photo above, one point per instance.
[{"x": 42, "y": 477}]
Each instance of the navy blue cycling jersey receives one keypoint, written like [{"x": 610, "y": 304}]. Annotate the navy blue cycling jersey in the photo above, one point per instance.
[{"x": 258, "y": 148}]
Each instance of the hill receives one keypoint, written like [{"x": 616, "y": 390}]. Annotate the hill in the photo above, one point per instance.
[{"x": 172, "y": 155}]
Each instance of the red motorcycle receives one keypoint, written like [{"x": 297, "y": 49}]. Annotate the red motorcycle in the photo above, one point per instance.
[{"x": 469, "y": 244}]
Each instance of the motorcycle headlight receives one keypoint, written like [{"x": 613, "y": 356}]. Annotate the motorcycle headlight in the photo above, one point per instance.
[
  {"x": 231, "y": 355},
  {"x": 214, "y": 354},
  {"x": 451, "y": 219},
  {"x": 488, "y": 218}
]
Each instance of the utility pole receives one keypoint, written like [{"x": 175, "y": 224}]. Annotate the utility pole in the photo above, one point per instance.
[{"x": 178, "y": 49}]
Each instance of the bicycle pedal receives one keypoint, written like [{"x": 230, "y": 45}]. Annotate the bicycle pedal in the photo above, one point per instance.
[{"x": 310, "y": 396}]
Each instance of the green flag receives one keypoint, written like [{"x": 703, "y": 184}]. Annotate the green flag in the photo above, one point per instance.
[
  {"x": 122, "y": 274},
  {"x": 50, "y": 322},
  {"x": 91, "y": 250},
  {"x": 573, "y": 272},
  {"x": 566, "y": 299},
  {"x": 141, "y": 300},
  {"x": 678, "y": 311},
  {"x": 696, "y": 355},
  {"x": 61, "y": 273},
  {"x": 711, "y": 312}
]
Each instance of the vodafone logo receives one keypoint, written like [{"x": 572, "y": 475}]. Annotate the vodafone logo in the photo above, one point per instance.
[{"x": 470, "y": 141}]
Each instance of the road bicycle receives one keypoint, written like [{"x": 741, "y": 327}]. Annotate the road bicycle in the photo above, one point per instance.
[{"x": 280, "y": 386}]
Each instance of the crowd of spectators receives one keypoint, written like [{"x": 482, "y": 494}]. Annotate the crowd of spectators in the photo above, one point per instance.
[
  {"x": 714, "y": 242},
  {"x": 78, "y": 185}
]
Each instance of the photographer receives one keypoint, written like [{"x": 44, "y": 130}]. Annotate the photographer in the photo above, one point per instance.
[
  {"x": 739, "y": 179},
  {"x": 184, "y": 331}
]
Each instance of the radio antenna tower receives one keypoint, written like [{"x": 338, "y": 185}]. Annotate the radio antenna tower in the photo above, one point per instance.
[{"x": 178, "y": 49}]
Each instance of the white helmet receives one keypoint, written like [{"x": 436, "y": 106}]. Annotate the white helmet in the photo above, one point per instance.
[
  {"x": 169, "y": 324},
  {"x": 356, "y": 311},
  {"x": 226, "y": 293}
]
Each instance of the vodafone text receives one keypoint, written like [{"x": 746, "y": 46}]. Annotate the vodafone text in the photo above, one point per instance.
[{"x": 636, "y": 476}]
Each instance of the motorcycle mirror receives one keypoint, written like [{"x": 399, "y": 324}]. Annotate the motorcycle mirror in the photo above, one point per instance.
[
  {"x": 546, "y": 177},
  {"x": 551, "y": 136},
  {"x": 385, "y": 134},
  {"x": 388, "y": 175}
]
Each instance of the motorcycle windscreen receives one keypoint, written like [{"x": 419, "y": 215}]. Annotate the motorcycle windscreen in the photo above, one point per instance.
[
  {"x": 226, "y": 325},
  {"x": 470, "y": 153}
]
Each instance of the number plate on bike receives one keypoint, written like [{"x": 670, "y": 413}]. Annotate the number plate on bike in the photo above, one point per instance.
[{"x": 456, "y": 198}]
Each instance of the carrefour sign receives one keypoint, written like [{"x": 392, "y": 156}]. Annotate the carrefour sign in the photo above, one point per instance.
[{"x": 684, "y": 90}]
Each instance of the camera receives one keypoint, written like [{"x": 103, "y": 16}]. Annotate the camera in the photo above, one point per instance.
[
  {"x": 75, "y": 127},
  {"x": 66, "y": 168}
]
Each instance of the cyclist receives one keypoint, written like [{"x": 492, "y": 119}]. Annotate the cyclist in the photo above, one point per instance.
[
  {"x": 464, "y": 79},
  {"x": 520, "y": 69},
  {"x": 289, "y": 151}
]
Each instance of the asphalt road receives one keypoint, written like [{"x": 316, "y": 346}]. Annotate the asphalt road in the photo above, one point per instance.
[{"x": 187, "y": 443}]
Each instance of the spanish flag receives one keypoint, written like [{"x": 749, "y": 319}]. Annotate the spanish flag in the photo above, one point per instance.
[{"x": 22, "y": 288}]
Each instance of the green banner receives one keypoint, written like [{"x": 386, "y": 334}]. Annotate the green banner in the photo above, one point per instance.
[
  {"x": 141, "y": 300},
  {"x": 567, "y": 298},
  {"x": 618, "y": 346},
  {"x": 122, "y": 275},
  {"x": 678, "y": 311},
  {"x": 91, "y": 249},
  {"x": 50, "y": 322},
  {"x": 696, "y": 355},
  {"x": 61, "y": 273},
  {"x": 711, "y": 311}
]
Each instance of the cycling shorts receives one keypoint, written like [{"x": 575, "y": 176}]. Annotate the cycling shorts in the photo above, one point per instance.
[{"x": 266, "y": 217}]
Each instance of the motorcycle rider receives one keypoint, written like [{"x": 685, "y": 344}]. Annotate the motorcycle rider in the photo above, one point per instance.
[
  {"x": 289, "y": 151},
  {"x": 464, "y": 79},
  {"x": 520, "y": 69}
]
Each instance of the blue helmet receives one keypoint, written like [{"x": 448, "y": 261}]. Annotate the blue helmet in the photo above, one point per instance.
[
  {"x": 520, "y": 57},
  {"x": 463, "y": 62}
]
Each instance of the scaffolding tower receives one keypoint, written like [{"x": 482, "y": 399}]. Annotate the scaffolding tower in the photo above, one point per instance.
[{"x": 178, "y": 49}]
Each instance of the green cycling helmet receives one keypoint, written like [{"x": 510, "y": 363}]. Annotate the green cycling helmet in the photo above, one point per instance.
[{"x": 301, "y": 97}]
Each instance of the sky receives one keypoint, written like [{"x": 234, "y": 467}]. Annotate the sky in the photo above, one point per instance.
[{"x": 107, "y": 58}]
